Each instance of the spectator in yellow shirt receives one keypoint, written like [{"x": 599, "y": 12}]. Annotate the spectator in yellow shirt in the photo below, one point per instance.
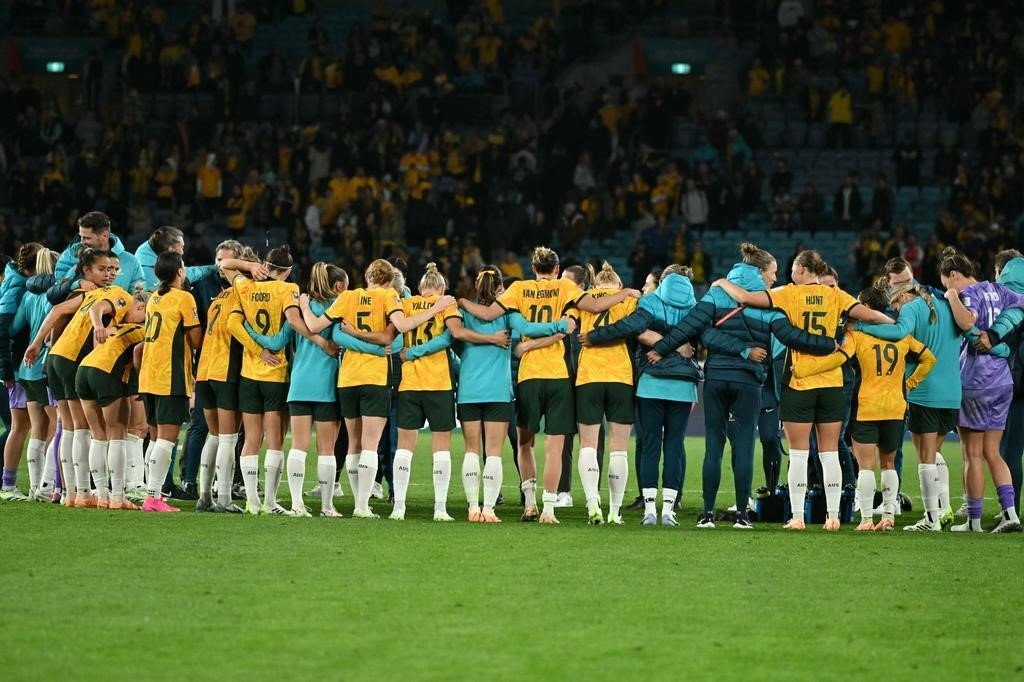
[
  {"x": 758, "y": 79},
  {"x": 510, "y": 266},
  {"x": 840, "y": 114}
]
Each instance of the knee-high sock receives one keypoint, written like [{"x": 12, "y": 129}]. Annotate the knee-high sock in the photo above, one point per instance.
[
  {"x": 225, "y": 467},
  {"x": 832, "y": 473},
  {"x": 471, "y": 480},
  {"x": 367, "y": 474},
  {"x": 80, "y": 458},
  {"x": 208, "y": 466},
  {"x": 797, "y": 482},
  {"x": 36, "y": 456},
  {"x": 67, "y": 465},
  {"x": 618, "y": 474},
  {"x": 250, "y": 466},
  {"x": 297, "y": 476},
  {"x": 352, "y": 471},
  {"x": 442, "y": 479},
  {"x": 159, "y": 463},
  {"x": 942, "y": 471},
  {"x": 890, "y": 491},
  {"x": 116, "y": 456},
  {"x": 866, "y": 493},
  {"x": 48, "y": 479},
  {"x": 136, "y": 463},
  {"x": 401, "y": 472},
  {"x": 929, "y": 491},
  {"x": 493, "y": 472},
  {"x": 272, "y": 466},
  {"x": 326, "y": 468},
  {"x": 590, "y": 477}
]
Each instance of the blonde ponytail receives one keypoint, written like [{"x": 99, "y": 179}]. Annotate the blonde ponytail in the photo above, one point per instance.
[{"x": 432, "y": 279}]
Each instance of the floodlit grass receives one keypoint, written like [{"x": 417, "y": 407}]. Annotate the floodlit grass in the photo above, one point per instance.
[{"x": 98, "y": 595}]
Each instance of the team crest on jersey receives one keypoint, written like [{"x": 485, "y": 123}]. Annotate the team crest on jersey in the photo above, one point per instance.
[
  {"x": 295, "y": 295},
  {"x": 121, "y": 303}
]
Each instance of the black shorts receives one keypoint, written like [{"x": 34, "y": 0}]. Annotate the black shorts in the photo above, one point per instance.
[
  {"x": 437, "y": 408},
  {"x": 92, "y": 383},
  {"x": 260, "y": 397},
  {"x": 60, "y": 377},
  {"x": 320, "y": 412},
  {"x": 547, "y": 399},
  {"x": 485, "y": 412},
  {"x": 221, "y": 395},
  {"x": 365, "y": 401},
  {"x": 598, "y": 400},
  {"x": 166, "y": 409},
  {"x": 36, "y": 391},
  {"x": 887, "y": 434},
  {"x": 940, "y": 420},
  {"x": 813, "y": 406}
]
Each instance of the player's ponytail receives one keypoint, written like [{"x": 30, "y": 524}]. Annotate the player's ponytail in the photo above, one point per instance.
[
  {"x": 279, "y": 259},
  {"x": 166, "y": 269},
  {"x": 323, "y": 278},
  {"x": 25, "y": 260},
  {"x": 607, "y": 277},
  {"x": 488, "y": 285},
  {"x": 582, "y": 275},
  {"x": 46, "y": 261},
  {"x": 954, "y": 261},
  {"x": 752, "y": 254},
  {"x": 544, "y": 261},
  {"x": 432, "y": 279},
  {"x": 812, "y": 262},
  {"x": 912, "y": 289}
]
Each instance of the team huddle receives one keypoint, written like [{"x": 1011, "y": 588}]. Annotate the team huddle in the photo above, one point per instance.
[{"x": 116, "y": 351}]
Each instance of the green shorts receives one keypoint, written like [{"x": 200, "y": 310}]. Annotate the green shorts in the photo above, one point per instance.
[
  {"x": 887, "y": 434},
  {"x": 37, "y": 391},
  {"x": 365, "y": 401},
  {"x": 217, "y": 394},
  {"x": 813, "y": 406},
  {"x": 260, "y": 397},
  {"x": 93, "y": 383},
  {"x": 60, "y": 377},
  {"x": 485, "y": 412},
  {"x": 598, "y": 400},
  {"x": 166, "y": 409},
  {"x": 320, "y": 412},
  {"x": 940, "y": 420},
  {"x": 437, "y": 408},
  {"x": 547, "y": 399}
]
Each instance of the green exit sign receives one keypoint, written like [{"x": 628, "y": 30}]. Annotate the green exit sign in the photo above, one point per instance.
[
  {"x": 681, "y": 68},
  {"x": 55, "y": 67}
]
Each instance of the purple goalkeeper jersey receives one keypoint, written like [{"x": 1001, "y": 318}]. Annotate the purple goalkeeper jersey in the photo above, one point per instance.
[{"x": 987, "y": 300}]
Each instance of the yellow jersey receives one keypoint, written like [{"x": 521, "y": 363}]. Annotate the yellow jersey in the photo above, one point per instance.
[
  {"x": 612, "y": 363},
  {"x": 880, "y": 394},
  {"x": 263, "y": 304},
  {"x": 114, "y": 356},
  {"x": 816, "y": 309},
  {"x": 430, "y": 372},
  {"x": 166, "y": 357},
  {"x": 367, "y": 310},
  {"x": 542, "y": 300},
  {"x": 75, "y": 341},
  {"x": 221, "y": 359}
]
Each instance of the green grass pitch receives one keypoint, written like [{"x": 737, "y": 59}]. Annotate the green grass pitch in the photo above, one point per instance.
[{"x": 103, "y": 595}]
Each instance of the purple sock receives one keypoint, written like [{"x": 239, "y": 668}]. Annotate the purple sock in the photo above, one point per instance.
[
  {"x": 10, "y": 478},
  {"x": 974, "y": 507},
  {"x": 1005, "y": 493}
]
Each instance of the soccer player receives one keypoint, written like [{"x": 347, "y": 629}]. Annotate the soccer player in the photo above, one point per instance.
[
  {"x": 933, "y": 404},
  {"x": 877, "y": 428},
  {"x": 733, "y": 382},
  {"x": 485, "y": 391},
  {"x": 545, "y": 390},
  {"x": 817, "y": 400},
  {"x": 987, "y": 388},
  {"x": 166, "y": 380},
  {"x": 102, "y": 387},
  {"x": 89, "y": 308}
]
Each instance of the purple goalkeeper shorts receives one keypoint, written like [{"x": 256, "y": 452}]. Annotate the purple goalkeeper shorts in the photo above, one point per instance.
[
  {"x": 985, "y": 409},
  {"x": 16, "y": 397}
]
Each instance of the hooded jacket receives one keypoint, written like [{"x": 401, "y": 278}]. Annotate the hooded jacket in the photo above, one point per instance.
[
  {"x": 62, "y": 282},
  {"x": 1012, "y": 277},
  {"x": 12, "y": 290},
  {"x": 718, "y": 315}
]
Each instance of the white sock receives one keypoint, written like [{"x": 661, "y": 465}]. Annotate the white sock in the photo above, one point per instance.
[
  {"x": 135, "y": 461},
  {"x": 297, "y": 477},
  {"x": 650, "y": 501},
  {"x": 797, "y": 482},
  {"x": 116, "y": 456},
  {"x": 367, "y": 474},
  {"x": 326, "y": 468},
  {"x": 273, "y": 463},
  {"x": 208, "y": 466},
  {"x": 618, "y": 475},
  {"x": 549, "y": 499},
  {"x": 80, "y": 458},
  {"x": 890, "y": 490},
  {"x": 832, "y": 474},
  {"x": 401, "y": 471},
  {"x": 67, "y": 466},
  {"x": 590, "y": 476},
  {"x": 225, "y": 467},
  {"x": 493, "y": 473},
  {"x": 529, "y": 488},
  {"x": 250, "y": 465},
  {"x": 942, "y": 471},
  {"x": 159, "y": 463},
  {"x": 145, "y": 463},
  {"x": 866, "y": 493},
  {"x": 352, "y": 470},
  {"x": 49, "y": 464},
  {"x": 929, "y": 491},
  {"x": 471, "y": 480},
  {"x": 36, "y": 456},
  {"x": 668, "y": 499},
  {"x": 442, "y": 478}
]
